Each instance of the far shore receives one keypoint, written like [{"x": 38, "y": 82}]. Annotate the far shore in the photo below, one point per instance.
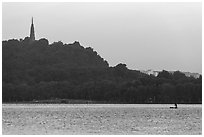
[{"x": 78, "y": 101}]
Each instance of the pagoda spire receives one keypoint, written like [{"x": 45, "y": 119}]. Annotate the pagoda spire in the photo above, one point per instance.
[{"x": 32, "y": 32}]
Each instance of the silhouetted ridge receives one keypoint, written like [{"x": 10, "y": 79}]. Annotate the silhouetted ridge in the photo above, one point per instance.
[{"x": 38, "y": 70}]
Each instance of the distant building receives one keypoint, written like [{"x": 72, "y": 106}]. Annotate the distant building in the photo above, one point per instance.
[
  {"x": 150, "y": 72},
  {"x": 32, "y": 32},
  {"x": 155, "y": 73}
]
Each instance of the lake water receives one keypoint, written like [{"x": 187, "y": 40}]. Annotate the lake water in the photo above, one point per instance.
[{"x": 105, "y": 119}]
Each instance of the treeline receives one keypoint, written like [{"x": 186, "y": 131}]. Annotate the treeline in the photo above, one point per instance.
[{"x": 40, "y": 71}]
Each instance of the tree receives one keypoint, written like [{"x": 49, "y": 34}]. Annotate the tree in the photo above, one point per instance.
[{"x": 164, "y": 74}]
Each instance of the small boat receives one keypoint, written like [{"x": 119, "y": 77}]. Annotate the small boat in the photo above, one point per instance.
[{"x": 174, "y": 107}]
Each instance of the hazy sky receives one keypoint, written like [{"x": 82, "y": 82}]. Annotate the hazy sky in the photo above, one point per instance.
[{"x": 142, "y": 35}]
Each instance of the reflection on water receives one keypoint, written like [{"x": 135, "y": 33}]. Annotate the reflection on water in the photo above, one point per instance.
[{"x": 101, "y": 119}]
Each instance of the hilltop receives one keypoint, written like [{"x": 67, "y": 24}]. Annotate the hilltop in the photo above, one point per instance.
[{"x": 41, "y": 53}]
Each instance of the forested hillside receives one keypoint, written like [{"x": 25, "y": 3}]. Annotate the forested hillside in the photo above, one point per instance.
[{"x": 40, "y": 71}]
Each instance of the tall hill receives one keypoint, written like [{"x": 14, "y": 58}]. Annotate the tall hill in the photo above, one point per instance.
[{"x": 43, "y": 71}]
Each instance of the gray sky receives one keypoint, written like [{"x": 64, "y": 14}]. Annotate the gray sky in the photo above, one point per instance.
[{"x": 142, "y": 35}]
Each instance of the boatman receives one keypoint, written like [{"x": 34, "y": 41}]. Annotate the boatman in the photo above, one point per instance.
[{"x": 175, "y": 105}]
